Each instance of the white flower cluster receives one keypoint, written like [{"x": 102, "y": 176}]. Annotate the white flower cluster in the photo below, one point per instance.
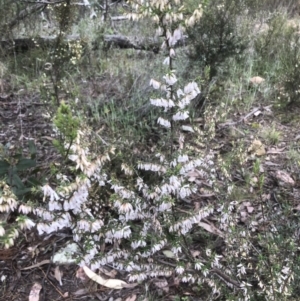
[
  {"x": 110, "y": 258},
  {"x": 58, "y": 222},
  {"x": 72, "y": 196},
  {"x": 141, "y": 272},
  {"x": 7, "y": 198},
  {"x": 184, "y": 98},
  {"x": 91, "y": 169},
  {"x": 185, "y": 225},
  {"x": 152, "y": 167},
  {"x": 160, "y": 102},
  {"x": 9, "y": 236},
  {"x": 149, "y": 204}
]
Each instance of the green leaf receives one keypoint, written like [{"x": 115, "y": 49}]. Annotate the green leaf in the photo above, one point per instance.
[
  {"x": 24, "y": 164},
  {"x": 17, "y": 182},
  {"x": 21, "y": 191},
  {"x": 32, "y": 149},
  {"x": 33, "y": 181},
  {"x": 4, "y": 167}
]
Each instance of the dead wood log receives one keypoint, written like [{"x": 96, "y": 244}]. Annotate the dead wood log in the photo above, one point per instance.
[
  {"x": 21, "y": 45},
  {"x": 130, "y": 42},
  {"x": 152, "y": 44},
  {"x": 123, "y": 42}
]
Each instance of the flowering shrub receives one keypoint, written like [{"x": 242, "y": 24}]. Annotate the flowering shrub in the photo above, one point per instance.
[
  {"x": 147, "y": 217},
  {"x": 140, "y": 216}
]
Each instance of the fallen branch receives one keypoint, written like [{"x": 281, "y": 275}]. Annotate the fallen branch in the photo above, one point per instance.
[
  {"x": 152, "y": 44},
  {"x": 241, "y": 120},
  {"x": 23, "y": 14},
  {"x": 123, "y": 42},
  {"x": 46, "y": 261}
]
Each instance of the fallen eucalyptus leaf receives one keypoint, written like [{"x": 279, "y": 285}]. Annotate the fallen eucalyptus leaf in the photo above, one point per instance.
[
  {"x": 211, "y": 228},
  {"x": 66, "y": 295},
  {"x": 131, "y": 298},
  {"x": 35, "y": 292},
  {"x": 80, "y": 292},
  {"x": 129, "y": 285},
  {"x": 187, "y": 128},
  {"x": 58, "y": 275},
  {"x": 110, "y": 283},
  {"x": 168, "y": 254},
  {"x": 111, "y": 274}
]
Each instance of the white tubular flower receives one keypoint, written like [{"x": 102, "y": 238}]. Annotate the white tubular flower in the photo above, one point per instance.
[
  {"x": 84, "y": 225},
  {"x": 96, "y": 225},
  {"x": 164, "y": 207},
  {"x": 2, "y": 231},
  {"x": 183, "y": 158},
  {"x": 11, "y": 202},
  {"x": 191, "y": 87},
  {"x": 73, "y": 157},
  {"x": 159, "y": 31},
  {"x": 164, "y": 122},
  {"x": 181, "y": 116},
  {"x": 48, "y": 191},
  {"x": 54, "y": 206},
  {"x": 25, "y": 209},
  {"x": 166, "y": 61},
  {"x": 4, "y": 208},
  {"x": 167, "y": 17},
  {"x": 126, "y": 207},
  {"x": 170, "y": 79},
  {"x": 28, "y": 224},
  {"x": 172, "y": 41},
  {"x": 24, "y": 222},
  {"x": 160, "y": 102},
  {"x": 198, "y": 265},
  {"x": 175, "y": 182},
  {"x": 191, "y": 21},
  {"x": 155, "y": 84},
  {"x": 172, "y": 53},
  {"x": 167, "y": 189},
  {"x": 180, "y": 93},
  {"x": 198, "y": 13},
  {"x": 179, "y": 270},
  {"x": 177, "y": 35},
  {"x": 185, "y": 192},
  {"x": 155, "y": 19},
  {"x": 184, "y": 102},
  {"x": 139, "y": 243},
  {"x": 8, "y": 243}
]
